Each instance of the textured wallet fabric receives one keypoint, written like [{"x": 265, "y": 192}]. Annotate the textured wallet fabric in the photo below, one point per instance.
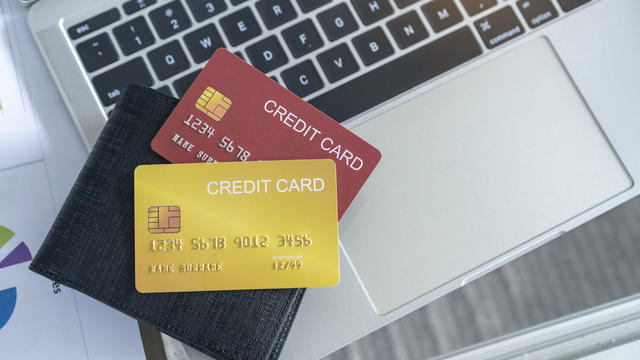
[{"x": 90, "y": 248}]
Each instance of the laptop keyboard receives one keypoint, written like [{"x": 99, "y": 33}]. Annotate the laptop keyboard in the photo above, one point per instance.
[{"x": 344, "y": 57}]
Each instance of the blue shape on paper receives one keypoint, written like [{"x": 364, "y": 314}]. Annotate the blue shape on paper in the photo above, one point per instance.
[{"x": 8, "y": 299}]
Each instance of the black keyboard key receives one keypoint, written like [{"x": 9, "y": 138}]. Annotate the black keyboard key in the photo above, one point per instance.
[
  {"x": 302, "y": 79},
  {"x": 168, "y": 60},
  {"x": 237, "y": 2},
  {"x": 477, "y": 6},
  {"x": 133, "y": 35},
  {"x": 401, "y": 74},
  {"x": 170, "y": 19},
  {"x": 537, "y": 12},
  {"x": 302, "y": 38},
  {"x": 165, "y": 90},
  {"x": 404, "y": 3},
  {"x": 275, "y": 12},
  {"x": 275, "y": 79},
  {"x": 441, "y": 14},
  {"x": 110, "y": 84},
  {"x": 371, "y": 11},
  {"x": 407, "y": 29},
  {"x": 568, "y": 5},
  {"x": 373, "y": 46},
  {"x": 239, "y": 54},
  {"x": 337, "y": 22},
  {"x": 94, "y": 23},
  {"x": 97, "y": 52},
  {"x": 204, "y": 9},
  {"x": 338, "y": 63},
  {"x": 203, "y": 42},
  {"x": 499, "y": 27},
  {"x": 132, "y": 6},
  {"x": 240, "y": 26},
  {"x": 310, "y": 5},
  {"x": 182, "y": 85},
  {"x": 267, "y": 54}
]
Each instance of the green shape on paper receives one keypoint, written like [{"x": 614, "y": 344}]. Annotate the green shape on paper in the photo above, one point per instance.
[{"x": 5, "y": 235}]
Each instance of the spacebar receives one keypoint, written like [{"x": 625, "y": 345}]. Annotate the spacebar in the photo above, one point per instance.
[{"x": 398, "y": 76}]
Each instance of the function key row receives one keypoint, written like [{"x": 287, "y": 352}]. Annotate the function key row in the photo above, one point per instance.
[
  {"x": 172, "y": 18},
  {"x": 474, "y": 7}
]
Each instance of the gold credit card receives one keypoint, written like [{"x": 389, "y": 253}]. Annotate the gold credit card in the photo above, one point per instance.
[{"x": 236, "y": 225}]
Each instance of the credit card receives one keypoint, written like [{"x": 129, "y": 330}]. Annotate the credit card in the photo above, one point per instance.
[
  {"x": 233, "y": 112},
  {"x": 236, "y": 225}
]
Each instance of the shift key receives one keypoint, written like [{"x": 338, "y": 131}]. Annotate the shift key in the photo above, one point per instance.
[{"x": 499, "y": 27}]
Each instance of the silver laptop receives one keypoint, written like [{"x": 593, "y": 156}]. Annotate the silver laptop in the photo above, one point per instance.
[{"x": 502, "y": 123}]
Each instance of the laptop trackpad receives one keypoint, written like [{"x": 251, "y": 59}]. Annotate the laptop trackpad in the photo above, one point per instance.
[{"x": 471, "y": 170}]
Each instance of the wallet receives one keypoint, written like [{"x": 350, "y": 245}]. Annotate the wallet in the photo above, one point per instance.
[{"x": 90, "y": 248}]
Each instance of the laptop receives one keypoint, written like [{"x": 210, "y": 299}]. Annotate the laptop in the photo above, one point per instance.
[{"x": 502, "y": 123}]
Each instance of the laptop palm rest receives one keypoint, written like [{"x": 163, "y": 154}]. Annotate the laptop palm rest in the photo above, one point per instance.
[{"x": 472, "y": 170}]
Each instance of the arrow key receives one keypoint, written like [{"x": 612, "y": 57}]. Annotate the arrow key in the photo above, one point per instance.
[{"x": 97, "y": 52}]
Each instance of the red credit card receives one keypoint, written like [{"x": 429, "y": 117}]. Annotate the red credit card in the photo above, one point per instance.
[{"x": 233, "y": 112}]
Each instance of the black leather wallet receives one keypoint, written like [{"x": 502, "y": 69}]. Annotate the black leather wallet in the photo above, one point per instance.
[{"x": 90, "y": 248}]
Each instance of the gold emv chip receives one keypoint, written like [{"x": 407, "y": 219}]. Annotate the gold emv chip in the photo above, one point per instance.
[
  {"x": 164, "y": 219},
  {"x": 213, "y": 103}
]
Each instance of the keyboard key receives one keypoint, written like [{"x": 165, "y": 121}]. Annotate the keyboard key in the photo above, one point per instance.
[
  {"x": 165, "y": 90},
  {"x": 237, "y": 2},
  {"x": 170, "y": 19},
  {"x": 568, "y": 5},
  {"x": 239, "y": 54},
  {"x": 204, "y": 9},
  {"x": 275, "y": 79},
  {"x": 310, "y": 5},
  {"x": 404, "y": 3},
  {"x": 168, "y": 60},
  {"x": 372, "y": 46},
  {"x": 302, "y": 38},
  {"x": 337, "y": 22},
  {"x": 110, "y": 84},
  {"x": 499, "y": 27},
  {"x": 371, "y": 11},
  {"x": 203, "y": 42},
  {"x": 182, "y": 84},
  {"x": 537, "y": 12},
  {"x": 338, "y": 62},
  {"x": 94, "y": 23},
  {"x": 401, "y": 74},
  {"x": 132, "y": 6},
  {"x": 267, "y": 54},
  {"x": 97, "y": 52},
  {"x": 441, "y": 14},
  {"x": 133, "y": 35},
  {"x": 407, "y": 29},
  {"x": 477, "y": 6},
  {"x": 302, "y": 79},
  {"x": 275, "y": 12},
  {"x": 240, "y": 26}
]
